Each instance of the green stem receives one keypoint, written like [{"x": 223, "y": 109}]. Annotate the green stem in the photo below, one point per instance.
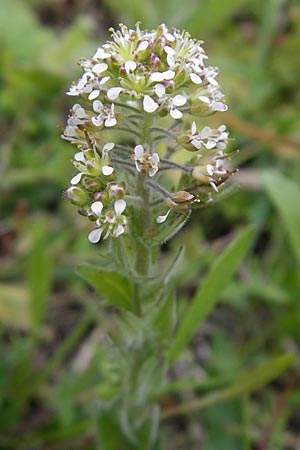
[{"x": 143, "y": 222}]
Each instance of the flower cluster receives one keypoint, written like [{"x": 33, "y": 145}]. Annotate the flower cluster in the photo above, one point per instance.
[{"x": 131, "y": 83}]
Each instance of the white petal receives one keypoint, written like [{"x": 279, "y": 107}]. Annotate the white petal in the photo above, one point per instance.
[
  {"x": 168, "y": 75},
  {"x": 108, "y": 146},
  {"x": 107, "y": 170},
  {"x": 104, "y": 80},
  {"x": 97, "y": 106},
  {"x": 95, "y": 235},
  {"x": 169, "y": 50},
  {"x": 114, "y": 92},
  {"x": 161, "y": 219},
  {"x": 155, "y": 158},
  {"x": 210, "y": 144},
  {"x": 77, "y": 178},
  {"x": 119, "y": 206},
  {"x": 204, "y": 99},
  {"x": 159, "y": 90},
  {"x": 153, "y": 171},
  {"x": 196, "y": 143},
  {"x": 101, "y": 54},
  {"x": 142, "y": 46},
  {"x": 194, "y": 128},
  {"x": 195, "y": 78},
  {"x": 179, "y": 100},
  {"x": 139, "y": 151},
  {"x": 176, "y": 114},
  {"x": 211, "y": 80},
  {"x": 99, "y": 68},
  {"x": 130, "y": 66},
  {"x": 97, "y": 207},
  {"x": 149, "y": 104},
  {"x": 210, "y": 169},
  {"x": 73, "y": 91},
  {"x": 170, "y": 37},
  {"x": 156, "y": 76},
  {"x": 219, "y": 106},
  {"x": 110, "y": 122},
  {"x": 79, "y": 157},
  {"x": 119, "y": 230},
  {"x": 205, "y": 132},
  {"x": 222, "y": 128},
  {"x": 94, "y": 94},
  {"x": 170, "y": 60},
  {"x": 214, "y": 186},
  {"x": 82, "y": 82},
  {"x": 97, "y": 121},
  {"x": 80, "y": 113}
]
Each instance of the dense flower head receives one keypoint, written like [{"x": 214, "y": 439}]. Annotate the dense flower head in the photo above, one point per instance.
[{"x": 133, "y": 83}]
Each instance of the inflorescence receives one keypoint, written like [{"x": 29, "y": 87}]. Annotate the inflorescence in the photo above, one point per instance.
[{"x": 132, "y": 84}]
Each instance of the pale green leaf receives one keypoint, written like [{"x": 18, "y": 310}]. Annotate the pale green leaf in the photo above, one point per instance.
[
  {"x": 114, "y": 286},
  {"x": 14, "y": 306},
  {"x": 285, "y": 194},
  {"x": 210, "y": 290},
  {"x": 39, "y": 275},
  {"x": 247, "y": 382}
]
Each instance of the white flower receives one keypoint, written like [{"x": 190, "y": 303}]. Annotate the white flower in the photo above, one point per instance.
[
  {"x": 145, "y": 162},
  {"x": 209, "y": 138},
  {"x": 113, "y": 222},
  {"x": 105, "y": 116},
  {"x": 90, "y": 163},
  {"x": 111, "y": 120},
  {"x": 171, "y": 102}
]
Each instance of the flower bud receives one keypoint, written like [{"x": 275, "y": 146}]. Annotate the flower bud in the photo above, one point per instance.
[
  {"x": 76, "y": 195},
  {"x": 182, "y": 197},
  {"x": 115, "y": 190},
  {"x": 91, "y": 184}
]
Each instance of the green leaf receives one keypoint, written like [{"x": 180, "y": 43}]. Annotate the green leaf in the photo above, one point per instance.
[
  {"x": 39, "y": 275},
  {"x": 14, "y": 306},
  {"x": 211, "y": 290},
  {"x": 163, "y": 316},
  {"x": 114, "y": 286},
  {"x": 247, "y": 382},
  {"x": 285, "y": 194}
]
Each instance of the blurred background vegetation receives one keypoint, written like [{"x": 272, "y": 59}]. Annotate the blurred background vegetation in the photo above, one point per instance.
[{"x": 50, "y": 357}]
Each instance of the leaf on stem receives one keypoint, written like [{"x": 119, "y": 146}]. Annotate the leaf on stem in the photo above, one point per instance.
[{"x": 114, "y": 286}]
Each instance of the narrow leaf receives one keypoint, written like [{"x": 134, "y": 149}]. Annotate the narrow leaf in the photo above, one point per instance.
[
  {"x": 285, "y": 194},
  {"x": 247, "y": 382},
  {"x": 211, "y": 290},
  {"x": 39, "y": 274}
]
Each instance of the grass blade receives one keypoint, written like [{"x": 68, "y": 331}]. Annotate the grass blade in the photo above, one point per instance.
[{"x": 210, "y": 290}]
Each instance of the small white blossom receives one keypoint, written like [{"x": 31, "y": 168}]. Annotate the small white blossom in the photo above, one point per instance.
[
  {"x": 90, "y": 163},
  {"x": 145, "y": 162},
  {"x": 113, "y": 222}
]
